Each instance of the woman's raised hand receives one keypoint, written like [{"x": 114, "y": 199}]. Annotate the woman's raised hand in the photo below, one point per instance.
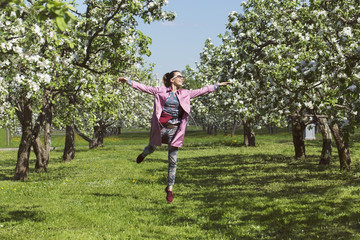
[{"x": 121, "y": 80}]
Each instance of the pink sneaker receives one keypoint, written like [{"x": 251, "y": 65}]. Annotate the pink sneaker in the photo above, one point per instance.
[{"x": 169, "y": 195}]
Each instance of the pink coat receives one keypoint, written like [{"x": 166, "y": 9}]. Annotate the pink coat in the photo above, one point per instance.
[{"x": 161, "y": 95}]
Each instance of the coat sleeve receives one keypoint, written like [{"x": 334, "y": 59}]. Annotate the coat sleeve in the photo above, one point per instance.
[
  {"x": 202, "y": 91},
  {"x": 144, "y": 88}
]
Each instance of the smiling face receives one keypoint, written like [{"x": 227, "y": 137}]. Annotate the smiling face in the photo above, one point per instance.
[{"x": 177, "y": 80}]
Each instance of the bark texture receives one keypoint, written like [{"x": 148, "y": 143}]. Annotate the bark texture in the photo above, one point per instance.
[
  {"x": 69, "y": 150},
  {"x": 249, "y": 134},
  {"x": 298, "y": 128},
  {"x": 98, "y": 136},
  {"x": 42, "y": 152},
  {"x": 342, "y": 146},
  {"x": 233, "y": 129},
  {"x": 327, "y": 141},
  {"x": 24, "y": 113}
]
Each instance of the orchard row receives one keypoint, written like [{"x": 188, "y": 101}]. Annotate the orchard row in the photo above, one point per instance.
[{"x": 288, "y": 61}]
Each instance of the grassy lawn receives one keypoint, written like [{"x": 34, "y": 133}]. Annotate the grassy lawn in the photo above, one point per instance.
[{"x": 223, "y": 191}]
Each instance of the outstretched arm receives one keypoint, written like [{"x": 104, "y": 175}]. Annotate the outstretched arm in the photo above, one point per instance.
[
  {"x": 206, "y": 90},
  {"x": 138, "y": 86},
  {"x": 223, "y": 83}
]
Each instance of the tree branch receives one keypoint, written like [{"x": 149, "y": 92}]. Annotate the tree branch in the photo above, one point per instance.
[
  {"x": 83, "y": 65},
  {"x": 86, "y": 138},
  {"x": 97, "y": 32}
]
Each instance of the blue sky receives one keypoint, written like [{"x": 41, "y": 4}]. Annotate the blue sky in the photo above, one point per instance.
[{"x": 178, "y": 43}]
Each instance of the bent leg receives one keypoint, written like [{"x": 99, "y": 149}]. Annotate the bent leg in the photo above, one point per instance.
[{"x": 149, "y": 149}]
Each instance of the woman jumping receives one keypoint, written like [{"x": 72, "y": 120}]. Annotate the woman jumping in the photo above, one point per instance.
[{"x": 169, "y": 120}]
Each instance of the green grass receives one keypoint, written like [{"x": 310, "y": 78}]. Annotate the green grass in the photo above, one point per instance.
[
  {"x": 3, "y": 142},
  {"x": 223, "y": 191}
]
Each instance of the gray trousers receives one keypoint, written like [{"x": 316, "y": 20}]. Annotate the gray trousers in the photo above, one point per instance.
[{"x": 166, "y": 133}]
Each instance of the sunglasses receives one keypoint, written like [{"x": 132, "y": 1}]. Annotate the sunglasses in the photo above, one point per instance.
[{"x": 178, "y": 76}]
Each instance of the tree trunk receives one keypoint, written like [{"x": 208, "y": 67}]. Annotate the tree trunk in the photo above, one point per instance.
[
  {"x": 39, "y": 150},
  {"x": 8, "y": 137},
  {"x": 83, "y": 136},
  {"x": 233, "y": 129},
  {"x": 249, "y": 134},
  {"x": 342, "y": 146},
  {"x": 210, "y": 129},
  {"x": 298, "y": 128},
  {"x": 98, "y": 139},
  {"x": 47, "y": 134},
  {"x": 69, "y": 150},
  {"x": 327, "y": 140},
  {"x": 225, "y": 128},
  {"x": 43, "y": 152},
  {"x": 22, "y": 165},
  {"x": 30, "y": 132}
]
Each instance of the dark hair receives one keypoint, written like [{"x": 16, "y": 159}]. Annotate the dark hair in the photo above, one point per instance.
[{"x": 166, "y": 78}]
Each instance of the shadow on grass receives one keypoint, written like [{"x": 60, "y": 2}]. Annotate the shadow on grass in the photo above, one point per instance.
[
  {"x": 6, "y": 174},
  {"x": 266, "y": 196},
  {"x": 7, "y": 167},
  {"x": 115, "y": 195},
  {"x": 21, "y": 215}
]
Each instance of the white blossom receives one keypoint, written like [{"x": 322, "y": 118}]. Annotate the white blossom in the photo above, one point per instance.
[
  {"x": 37, "y": 30},
  {"x": 46, "y": 78},
  {"x": 345, "y": 122},
  {"x": 352, "y": 88},
  {"x": 319, "y": 13},
  {"x": 347, "y": 32},
  {"x": 5, "y": 63},
  {"x": 28, "y": 94},
  {"x": 44, "y": 64},
  {"x": 74, "y": 57},
  {"x": 34, "y": 86},
  {"x": 88, "y": 95},
  {"x": 18, "y": 49},
  {"x": 19, "y": 79}
]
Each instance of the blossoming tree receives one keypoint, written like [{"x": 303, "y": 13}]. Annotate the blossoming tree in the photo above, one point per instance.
[
  {"x": 298, "y": 59},
  {"x": 39, "y": 63},
  {"x": 107, "y": 42}
]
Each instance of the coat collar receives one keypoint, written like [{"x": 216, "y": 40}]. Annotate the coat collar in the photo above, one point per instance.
[{"x": 168, "y": 89}]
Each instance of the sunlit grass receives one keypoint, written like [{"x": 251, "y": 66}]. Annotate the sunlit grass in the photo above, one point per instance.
[{"x": 223, "y": 191}]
